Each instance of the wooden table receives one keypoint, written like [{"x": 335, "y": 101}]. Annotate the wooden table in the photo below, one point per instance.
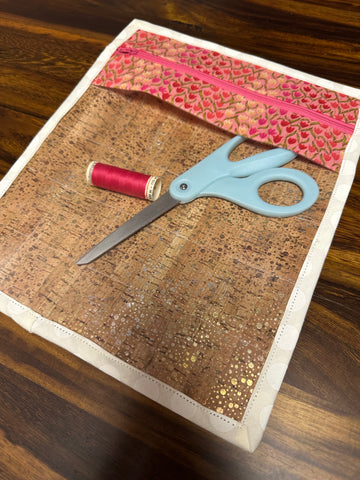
[{"x": 61, "y": 418}]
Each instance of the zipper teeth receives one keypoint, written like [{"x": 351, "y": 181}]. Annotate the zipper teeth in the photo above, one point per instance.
[{"x": 224, "y": 84}]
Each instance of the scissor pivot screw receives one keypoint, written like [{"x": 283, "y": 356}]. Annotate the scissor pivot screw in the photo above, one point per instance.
[{"x": 183, "y": 186}]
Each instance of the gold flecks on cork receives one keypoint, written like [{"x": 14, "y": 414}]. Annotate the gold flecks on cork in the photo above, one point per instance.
[{"x": 195, "y": 299}]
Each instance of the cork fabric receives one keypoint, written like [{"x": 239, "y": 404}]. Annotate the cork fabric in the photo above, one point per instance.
[{"x": 194, "y": 299}]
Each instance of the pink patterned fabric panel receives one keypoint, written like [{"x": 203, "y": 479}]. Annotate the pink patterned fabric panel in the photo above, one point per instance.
[{"x": 237, "y": 96}]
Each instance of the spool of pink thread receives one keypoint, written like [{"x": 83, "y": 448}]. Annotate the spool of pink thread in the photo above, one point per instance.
[{"x": 123, "y": 181}]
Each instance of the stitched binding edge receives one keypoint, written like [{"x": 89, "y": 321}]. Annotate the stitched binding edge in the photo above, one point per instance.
[{"x": 246, "y": 434}]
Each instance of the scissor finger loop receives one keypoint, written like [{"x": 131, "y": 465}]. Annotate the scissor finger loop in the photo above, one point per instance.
[{"x": 307, "y": 185}]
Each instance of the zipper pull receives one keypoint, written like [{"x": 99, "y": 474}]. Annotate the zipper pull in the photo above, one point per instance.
[{"x": 126, "y": 51}]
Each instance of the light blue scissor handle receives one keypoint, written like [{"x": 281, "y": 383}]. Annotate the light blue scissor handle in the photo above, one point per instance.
[{"x": 239, "y": 182}]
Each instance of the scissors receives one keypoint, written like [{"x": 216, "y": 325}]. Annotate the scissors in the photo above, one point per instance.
[{"x": 217, "y": 176}]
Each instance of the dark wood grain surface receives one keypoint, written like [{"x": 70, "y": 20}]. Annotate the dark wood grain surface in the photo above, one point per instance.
[{"x": 63, "y": 419}]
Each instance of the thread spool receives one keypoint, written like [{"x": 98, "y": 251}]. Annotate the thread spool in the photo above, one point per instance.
[{"x": 123, "y": 181}]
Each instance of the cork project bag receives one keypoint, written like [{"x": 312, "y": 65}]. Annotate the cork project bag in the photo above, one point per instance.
[{"x": 200, "y": 310}]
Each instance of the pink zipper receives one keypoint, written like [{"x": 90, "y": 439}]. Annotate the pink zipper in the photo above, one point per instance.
[{"x": 258, "y": 97}]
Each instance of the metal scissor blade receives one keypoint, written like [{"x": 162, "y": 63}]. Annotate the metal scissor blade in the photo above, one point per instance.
[{"x": 150, "y": 213}]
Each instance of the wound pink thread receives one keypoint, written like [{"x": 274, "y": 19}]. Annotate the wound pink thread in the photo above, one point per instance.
[{"x": 124, "y": 181}]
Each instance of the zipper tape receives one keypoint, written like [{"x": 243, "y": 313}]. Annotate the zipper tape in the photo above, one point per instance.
[
  {"x": 228, "y": 86},
  {"x": 237, "y": 96}
]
